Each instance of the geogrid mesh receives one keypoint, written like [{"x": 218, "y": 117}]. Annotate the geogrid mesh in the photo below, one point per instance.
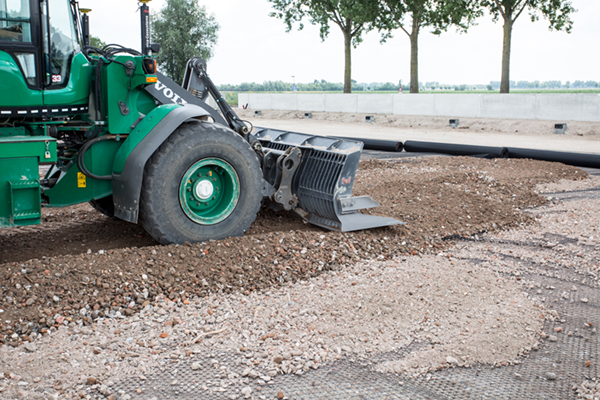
[{"x": 548, "y": 373}]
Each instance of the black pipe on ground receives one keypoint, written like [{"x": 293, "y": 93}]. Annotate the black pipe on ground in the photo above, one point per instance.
[
  {"x": 575, "y": 159},
  {"x": 376, "y": 144},
  {"x": 456, "y": 149}
]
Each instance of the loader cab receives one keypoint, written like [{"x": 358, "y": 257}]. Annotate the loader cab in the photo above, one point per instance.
[{"x": 40, "y": 59}]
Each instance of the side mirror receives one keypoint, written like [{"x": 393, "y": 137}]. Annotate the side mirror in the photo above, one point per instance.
[{"x": 155, "y": 47}]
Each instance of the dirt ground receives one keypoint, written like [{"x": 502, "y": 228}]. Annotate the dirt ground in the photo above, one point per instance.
[{"x": 80, "y": 265}]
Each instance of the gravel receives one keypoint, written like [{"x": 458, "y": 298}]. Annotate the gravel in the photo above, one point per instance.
[
  {"x": 67, "y": 274},
  {"x": 327, "y": 296},
  {"x": 473, "y": 317},
  {"x": 589, "y": 389}
]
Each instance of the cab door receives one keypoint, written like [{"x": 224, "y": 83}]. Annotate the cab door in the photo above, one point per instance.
[{"x": 67, "y": 70}]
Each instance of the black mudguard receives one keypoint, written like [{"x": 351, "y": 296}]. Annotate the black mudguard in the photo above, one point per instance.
[{"x": 127, "y": 186}]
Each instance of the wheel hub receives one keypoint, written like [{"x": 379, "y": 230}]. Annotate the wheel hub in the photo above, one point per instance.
[
  {"x": 204, "y": 190},
  {"x": 209, "y": 191}
]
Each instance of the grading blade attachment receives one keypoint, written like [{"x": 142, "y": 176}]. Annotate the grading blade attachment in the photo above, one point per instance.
[{"x": 314, "y": 176}]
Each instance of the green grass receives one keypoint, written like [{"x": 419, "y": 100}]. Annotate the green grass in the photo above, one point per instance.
[{"x": 231, "y": 98}]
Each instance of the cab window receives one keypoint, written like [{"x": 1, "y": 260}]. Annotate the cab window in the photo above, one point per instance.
[
  {"x": 27, "y": 62},
  {"x": 15, "y": 21},
  {"x": 63, "y": 40}
]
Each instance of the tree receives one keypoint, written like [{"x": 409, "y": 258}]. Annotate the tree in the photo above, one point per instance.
[
  {"x": 351, "y": 16},
  {"x": 184, "y": 30},
  {"x": 413, "y": 15},
  {"x": 523, "y": 85},
  {"x": 557, "y": 12},
  {"x": 95, "y": 41}
]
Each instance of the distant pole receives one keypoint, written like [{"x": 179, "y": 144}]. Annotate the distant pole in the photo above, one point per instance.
[{"x": 294, "y": 78}]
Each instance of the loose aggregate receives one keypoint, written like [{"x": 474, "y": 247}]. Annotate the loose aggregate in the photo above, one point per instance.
[{"x": 286, "y": 301}]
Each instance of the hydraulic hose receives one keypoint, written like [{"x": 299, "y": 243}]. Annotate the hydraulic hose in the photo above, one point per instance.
[{"x": 84, "y": 149}]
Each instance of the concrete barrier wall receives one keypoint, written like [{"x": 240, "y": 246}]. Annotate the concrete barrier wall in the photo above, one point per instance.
[
  {"x": 311, "y": 102},
  {"x": 414, "y": 104},
  {"x": 341, "y": 103},
  {"x": 556, "y": 107}
]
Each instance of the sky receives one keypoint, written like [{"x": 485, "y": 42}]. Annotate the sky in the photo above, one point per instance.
[{"x": 253, "y": 47}]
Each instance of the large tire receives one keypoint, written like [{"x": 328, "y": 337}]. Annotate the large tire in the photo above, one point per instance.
[
  {"x": 203, "y": 183},
  {"x": 104, "y": 205}
]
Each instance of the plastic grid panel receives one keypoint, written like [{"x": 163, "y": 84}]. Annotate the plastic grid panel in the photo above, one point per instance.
[{"x": 355, "y": 379}]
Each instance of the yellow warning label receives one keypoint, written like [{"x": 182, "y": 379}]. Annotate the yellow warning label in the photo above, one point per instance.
[{"x": 80, "y": 180}]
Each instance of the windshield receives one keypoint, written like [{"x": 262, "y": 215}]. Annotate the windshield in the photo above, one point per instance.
[
  {"x": 15, "y": 21},
  {"x": 63, "y": 40}
]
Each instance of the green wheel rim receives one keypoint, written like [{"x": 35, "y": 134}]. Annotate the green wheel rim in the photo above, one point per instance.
[{"x": 209, "y": 191}]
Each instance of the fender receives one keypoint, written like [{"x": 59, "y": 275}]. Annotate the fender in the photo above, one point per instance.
[{"x": 144, "y": 140}]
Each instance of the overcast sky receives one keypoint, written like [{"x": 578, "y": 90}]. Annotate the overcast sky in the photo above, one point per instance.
[{"x": 254, "y": 47}]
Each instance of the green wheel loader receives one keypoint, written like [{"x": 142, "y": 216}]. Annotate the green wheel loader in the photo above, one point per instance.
[{"x": 113, "y": 131}]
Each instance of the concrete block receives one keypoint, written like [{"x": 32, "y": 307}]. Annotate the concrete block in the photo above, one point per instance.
[
  {"x": 283, "y": 102},
  {"x": 518, "y": 106},
  {"x": 375, "y": 103},
  {"x": 413, "y": 104},
  {"x": 260, "y": 101},
  {"x": 568, "y": 107},
  {"x": 456, "y": 105},
  {"x": 560, "y": 129},
  {"x": 341, "y": 103},
  {"x": 311, "y": 102},
  {"x": 553, "y": 107},
  {"x": 243, "y": 99}
]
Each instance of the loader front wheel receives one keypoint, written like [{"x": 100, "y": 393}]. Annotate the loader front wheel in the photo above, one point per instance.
[{"x": 203, "y": 183}]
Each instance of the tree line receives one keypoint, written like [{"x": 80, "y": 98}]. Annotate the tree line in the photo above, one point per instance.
[
  {"x": 549, "y": 85},
  {"x": 280, "y": 86},
  {"x": 324, "y": 86},
  {"x": 355, "y": 17},
  {"x": 185, "y": 29}
]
